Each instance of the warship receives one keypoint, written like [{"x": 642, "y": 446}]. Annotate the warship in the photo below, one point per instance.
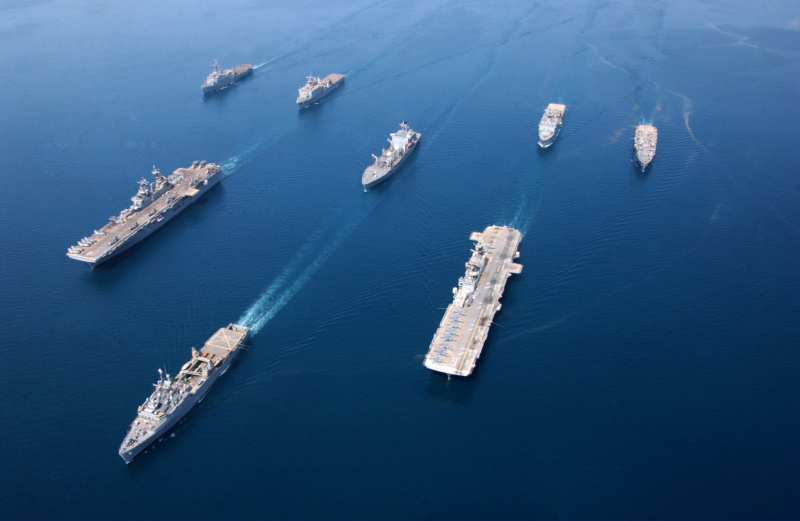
[
  {"x": 458, "y": 342},
  {"x": 401, "y": 144},
  {"x": 174, "y": 397},
  {"x": 645, "y": 145},
  {"x": 550, "y": 124},
  {"x": 315, "y": 89},
  {"x": 153, "y": 205},
  {"x": 219, "y": 79}
]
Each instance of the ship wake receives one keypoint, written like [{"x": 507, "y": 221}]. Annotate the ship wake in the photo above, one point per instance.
[{"x": 311, "y": 256}]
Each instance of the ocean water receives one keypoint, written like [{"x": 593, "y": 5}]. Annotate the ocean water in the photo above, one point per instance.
[{"x": 645, "y": 362}]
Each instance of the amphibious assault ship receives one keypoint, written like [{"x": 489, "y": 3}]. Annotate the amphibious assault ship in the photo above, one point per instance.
[
  {"x": 174, "y": 397},
  {"x": 645, "y": 145},
  {"x": 550, "y": 124},
  {"x": 458, "y": 341},
  {"x": 153, "y": 205},
  {"x": 401, "y": 144},
  {"x": 219, "y": 78},
  {"x": 315, "y": 89}
]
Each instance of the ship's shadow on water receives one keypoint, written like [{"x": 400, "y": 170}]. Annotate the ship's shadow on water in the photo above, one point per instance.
[
  {"x": 456, "y": 390},
  {"x": 184, "y": 216}
]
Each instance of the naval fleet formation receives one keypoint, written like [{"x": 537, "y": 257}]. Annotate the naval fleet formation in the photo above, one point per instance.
[{"x": 462, "y": 332}]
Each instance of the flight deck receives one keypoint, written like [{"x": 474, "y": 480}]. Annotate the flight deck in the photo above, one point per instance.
[{"x": 458, "y": 342}]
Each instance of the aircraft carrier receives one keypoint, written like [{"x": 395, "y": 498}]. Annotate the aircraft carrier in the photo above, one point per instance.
[
  {"x": 645, "y": 145},
  {"x": 174, "y": 397},
  {"x": 219, "y": 79},
  {"x": 153, "y": 205},
  {"x": 457, "y": 343},
  {"x": 315, "y": 89},
  {"x": 401, "y": 144},
  {"x": 550, "y": 124}
]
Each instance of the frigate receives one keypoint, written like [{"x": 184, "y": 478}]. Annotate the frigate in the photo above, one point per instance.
[
  {"x": 174, "y": 397},
  {"x": 459, "y": 340},
  {"x": 645, "y": 145},
  {"x": 550, "y": 124},
  {"x": 401, "y": 144},
  {"x": 153, "y": 205},
  {"x": 315, "y": 89},
  {"x": 219, "y": 79}
]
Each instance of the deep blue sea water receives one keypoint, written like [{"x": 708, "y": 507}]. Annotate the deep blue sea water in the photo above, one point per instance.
[{"x": 645, "y": 363}]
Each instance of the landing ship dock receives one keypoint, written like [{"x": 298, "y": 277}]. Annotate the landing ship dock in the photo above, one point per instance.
[
  {"x": 458, "y": 342},
  {"x": 153, "y": 205}
]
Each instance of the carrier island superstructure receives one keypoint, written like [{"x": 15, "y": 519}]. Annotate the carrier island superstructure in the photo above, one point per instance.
[
  {"x": 550, "y": 124},
  {"x": 174, "y": 397},
  {"x": 153, "y": 205},
  {"x": 645, "y": 145},
  {"x": 458, "y": 341},
  {"x": 315, "y": 89}
]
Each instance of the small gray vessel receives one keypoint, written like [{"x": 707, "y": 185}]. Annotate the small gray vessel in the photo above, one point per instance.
[
  {"x": 645, "y": 145},
  {"x": 315, "y": 89},
  {"x": 550, "y": 124},
  {"x": 401, "y": 144},
  {"x": 219, "y": 79},
  {"x": 174, "y": 397}
]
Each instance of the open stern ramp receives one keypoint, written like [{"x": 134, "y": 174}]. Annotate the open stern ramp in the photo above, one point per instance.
[{"x": 459, "y": 339}]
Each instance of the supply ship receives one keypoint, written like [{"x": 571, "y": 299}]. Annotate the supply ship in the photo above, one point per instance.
[
  {"x": 459, "y": 340},
  {"x": 219, "y": 79},
  {"x": 550, "y": 124},
  {"x": 401, "y": 144},
  {"x": 315, "y": 89},
  {"x": 173, "y": 398},
  {"x": 153, "y": 205},
  {"x": 645, "y": 145}
]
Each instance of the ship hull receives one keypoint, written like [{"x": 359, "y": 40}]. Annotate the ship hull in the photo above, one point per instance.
[
  {"x": 319, "y": 94},
  {"x": 390, "y": 171},
  {"x": 226, "y": 82},
  {"x": 545, "y": 143},
  {"x": 181, "y": 411},
  {"x": 146, "y": 229},
  {"x": 642, "y": 164}
]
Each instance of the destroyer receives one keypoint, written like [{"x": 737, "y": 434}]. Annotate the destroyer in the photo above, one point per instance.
[
  {"x": 645, "y": 145},
  {"x": 174, "y": 397},
  {"x": 401, "y": 144},
  {"x": 219, "y": 79},
  {"x": 315, "y": 89},
  {"x": 458, "y": 341},
  {"x": 550, "y": 124},
  {"x": 153, "y": 205}
]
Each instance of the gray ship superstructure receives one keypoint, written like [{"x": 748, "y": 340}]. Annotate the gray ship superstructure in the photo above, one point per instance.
[
  {"x": 153, "y": 205},
  {"x": 645, "y": 145},
  {"x": 174, "y": 397},
  {"x": 219, "y": 78},
  {"x": 550, "y": 124},
  {"x": 459, "y": 340},
  {"x": 315, "y": 89},
  {"x": 401, "y": 144}
]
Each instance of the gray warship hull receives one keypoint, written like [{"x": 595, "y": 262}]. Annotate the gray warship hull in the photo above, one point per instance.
[
  {"x": 550, "y": 124},
  {"x": 191, "y": 399},
  {"x": 162, "y": 211},
  {"x": 461, "y": 334},
  {"x": 382, "y": 174},
  {"x": 317, "y": 94},
  {"x": 240, "y": 72}
]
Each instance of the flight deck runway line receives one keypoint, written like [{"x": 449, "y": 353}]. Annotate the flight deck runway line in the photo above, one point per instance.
[{"x": 475, "y": 329}]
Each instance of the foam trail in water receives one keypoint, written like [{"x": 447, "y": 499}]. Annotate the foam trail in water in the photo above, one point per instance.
[
  {"x": 270, "y": 60},
  {"x": 302, "y": 267},
  {"x": 234, "y": 163}
]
